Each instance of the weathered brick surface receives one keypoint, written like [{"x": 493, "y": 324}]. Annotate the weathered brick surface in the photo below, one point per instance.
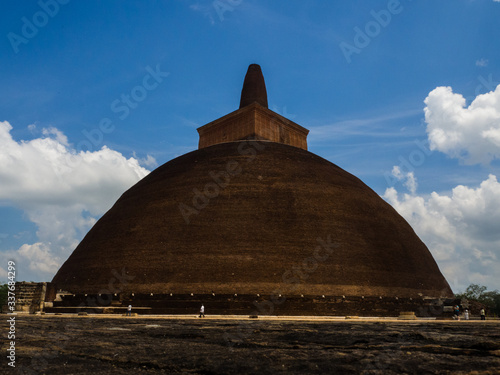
[
  {"x": 257, "y": 235},
  {"x": 253, "y": 122}
]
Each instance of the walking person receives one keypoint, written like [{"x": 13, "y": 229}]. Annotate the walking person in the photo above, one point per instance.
[
  {"x": 483, "y": 315},
  {"x": 456, "y": 314},
  {"x": 202, "y": 310},
  {"x": 129, "y": 310},
  {"x": 466, "y": 314}
]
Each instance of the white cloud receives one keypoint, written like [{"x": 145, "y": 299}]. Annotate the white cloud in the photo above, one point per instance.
[
  {"x": 60, "y": 137},
  {"x": 471, "y": 134},
  {"x": 41, "y": 257},
  {"x": 149, "y": 161},
  {"x": 206, "y": 9},
  {"x": 408, "y": 178},
  {"x": 461, "y": 229},
  {"x": 482, "y": 62},
  {"x": 368, "y": 126},
  {"x": 61, "y": 191}
]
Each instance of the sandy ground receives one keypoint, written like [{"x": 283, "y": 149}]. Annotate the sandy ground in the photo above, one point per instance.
[{"x": 236, "y": 345}]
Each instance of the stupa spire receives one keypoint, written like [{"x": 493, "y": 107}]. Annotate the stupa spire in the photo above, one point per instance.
[{"x": 254, "y": 87}]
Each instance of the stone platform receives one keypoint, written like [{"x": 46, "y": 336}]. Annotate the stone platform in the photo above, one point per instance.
[
  {"x": 233, "y": 304},
  {"x": 103, "y": 344}
]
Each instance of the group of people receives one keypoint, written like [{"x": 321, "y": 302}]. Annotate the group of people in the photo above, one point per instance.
[{"x": 456, "y": 314}]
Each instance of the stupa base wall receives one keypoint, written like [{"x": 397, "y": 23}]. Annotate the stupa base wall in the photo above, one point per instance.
[{"x": 220, "y": 304}]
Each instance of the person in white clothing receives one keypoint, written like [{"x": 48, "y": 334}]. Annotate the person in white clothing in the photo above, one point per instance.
[{"x": 202, "y": 311}]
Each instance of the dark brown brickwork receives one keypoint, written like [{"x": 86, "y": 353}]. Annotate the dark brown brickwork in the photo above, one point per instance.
[
  {"x": 253, "y": 122},
  {"x": 253, "y": 213},
  {"x": 254, "y": 87},
  {"x": 255, "y": 233}
]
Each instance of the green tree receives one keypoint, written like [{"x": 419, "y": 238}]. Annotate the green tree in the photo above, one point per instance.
[
  {"x": 492, "y": 299},
  {"x": 479, "y": 293},
  {"x": 474, "y": 291}
]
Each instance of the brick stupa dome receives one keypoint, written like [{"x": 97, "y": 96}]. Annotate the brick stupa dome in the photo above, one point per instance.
[{"x": 252, "y": 212}]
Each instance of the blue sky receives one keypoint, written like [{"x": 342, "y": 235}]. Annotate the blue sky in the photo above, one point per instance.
[{"x": 355, "y": 73}]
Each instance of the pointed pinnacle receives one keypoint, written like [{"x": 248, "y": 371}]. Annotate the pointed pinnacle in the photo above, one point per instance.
[{"x": 254, "y": 87}]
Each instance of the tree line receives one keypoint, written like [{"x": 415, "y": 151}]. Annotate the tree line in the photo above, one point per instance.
[{"x": 480, "y": 293}]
